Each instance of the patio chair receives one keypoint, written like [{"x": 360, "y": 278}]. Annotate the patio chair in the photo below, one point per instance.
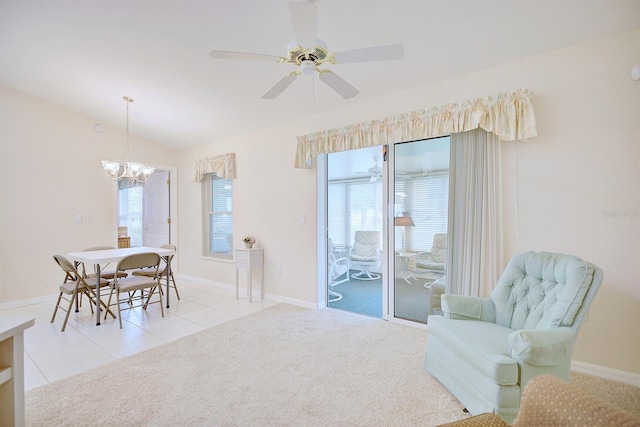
[
  {"x": 434, "y": 261},
  {"x": 338, "y": 271},
  {"x": 366, "y": 254}
]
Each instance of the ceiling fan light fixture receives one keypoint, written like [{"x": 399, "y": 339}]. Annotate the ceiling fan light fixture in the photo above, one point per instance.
[
  {"x": 307, "y": 66},
  {"x": 309, "y": 53}
]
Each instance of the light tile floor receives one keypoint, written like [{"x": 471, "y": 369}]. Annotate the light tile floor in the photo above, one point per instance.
[{"x": 51, "y": 355}]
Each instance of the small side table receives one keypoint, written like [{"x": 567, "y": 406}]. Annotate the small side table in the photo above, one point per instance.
[{"x": 250, "y": 259}]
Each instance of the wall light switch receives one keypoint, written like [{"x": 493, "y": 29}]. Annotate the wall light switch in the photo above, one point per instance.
[
  {"x": 303, "y": 218},
  {"x": 78, "y": 218}
]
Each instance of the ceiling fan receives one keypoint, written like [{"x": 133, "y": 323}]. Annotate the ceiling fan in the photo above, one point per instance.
[
  {"x": 308, "y": 53},
  {"x": 375, "y": 171}
]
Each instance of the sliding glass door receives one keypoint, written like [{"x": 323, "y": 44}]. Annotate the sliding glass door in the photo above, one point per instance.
[
  {"x": 355, "y": 206},
  {"x": 420, "y": 206},
  {"x": 406, "y": 188}
]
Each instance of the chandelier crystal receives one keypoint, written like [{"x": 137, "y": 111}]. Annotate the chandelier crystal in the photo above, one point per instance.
[{"x": 132, "y": 171}]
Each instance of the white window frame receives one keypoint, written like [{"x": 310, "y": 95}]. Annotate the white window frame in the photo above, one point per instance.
[{"x": 209, "y": 201}]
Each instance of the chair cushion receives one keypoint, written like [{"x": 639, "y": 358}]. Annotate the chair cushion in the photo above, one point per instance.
[
  {"x": 364, "y": 251},
  {"x": 361, "y": 258},
  {"x": 484, "y": 345},
  {"x": 549, "y": 401},
  {"x": 133, "y": 283},
  {"x": 429, "y": 265},
  {"x": 149, "y": 272},
  {"x": 69, "y": 287}
]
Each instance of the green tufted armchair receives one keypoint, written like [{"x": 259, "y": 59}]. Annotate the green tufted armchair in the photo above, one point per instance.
[{"x": 485, "y": 350}]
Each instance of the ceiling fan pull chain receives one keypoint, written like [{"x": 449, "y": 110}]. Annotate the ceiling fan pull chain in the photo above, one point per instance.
[{"x": 313, "y": 87}]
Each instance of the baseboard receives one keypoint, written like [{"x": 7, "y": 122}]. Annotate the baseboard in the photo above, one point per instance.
[
  {"x": 243, "y": 291},
  {"x": 202, "y": 281},
  {"x": 606, "y": 373},
  {"x": 29, "y": 301}
]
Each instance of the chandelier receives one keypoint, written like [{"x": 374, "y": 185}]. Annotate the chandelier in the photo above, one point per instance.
[{"x": 132, "y": 171}]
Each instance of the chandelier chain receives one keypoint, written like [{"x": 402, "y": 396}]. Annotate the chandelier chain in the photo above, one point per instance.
[
  {"x": 128, "y": 100},
  {"x": 131, "y": 171},
  {"x": 127, "y": 131}
]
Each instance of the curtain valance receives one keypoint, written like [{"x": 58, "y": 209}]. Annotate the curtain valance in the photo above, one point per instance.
[
  {"x": 508, "y": 115},
  {"x": 224, "y": 166}
]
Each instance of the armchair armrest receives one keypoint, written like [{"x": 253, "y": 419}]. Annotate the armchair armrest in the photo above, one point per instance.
[
  {"x": 542, "y": 347},
  {"x": 467, "y": 307}
]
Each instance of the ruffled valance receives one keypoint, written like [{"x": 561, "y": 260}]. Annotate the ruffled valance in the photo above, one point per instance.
[
  {"x": 508, "y": 115},
  {"x": 224, "y": 166}
]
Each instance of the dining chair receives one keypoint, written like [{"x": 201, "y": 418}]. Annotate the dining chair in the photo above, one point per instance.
[
  {"x": 150, "y": 273},
  {"x": 108, "y": 274},
  {"x": 73, "y": 286},
  {"x": 148, "y": 286}
]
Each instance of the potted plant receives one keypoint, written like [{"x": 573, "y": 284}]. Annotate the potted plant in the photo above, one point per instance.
[{"x": 249, "y": 241}]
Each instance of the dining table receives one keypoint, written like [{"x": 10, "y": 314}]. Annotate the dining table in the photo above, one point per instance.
[{"x": 106, "y": 256}]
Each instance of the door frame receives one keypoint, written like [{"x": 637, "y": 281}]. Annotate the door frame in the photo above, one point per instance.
[
  {"x": 162, "y": 177},
  {"x": 322, "y": 234},
  {"x": 388, "y": 236},
  {"x": 173, "y": 205}
]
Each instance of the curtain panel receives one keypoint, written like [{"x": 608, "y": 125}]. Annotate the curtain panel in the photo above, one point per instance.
[
  {"x": 223, "y": 165},
  {"x": 510, "y": 116},
  {"x": 474, "y": 247}
]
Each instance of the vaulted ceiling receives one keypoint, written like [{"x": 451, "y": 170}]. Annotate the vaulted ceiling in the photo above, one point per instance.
[{"x": 85, "y": 55}]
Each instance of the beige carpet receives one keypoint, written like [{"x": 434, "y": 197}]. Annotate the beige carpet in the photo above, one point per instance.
[{"x": 283, "y": 366}]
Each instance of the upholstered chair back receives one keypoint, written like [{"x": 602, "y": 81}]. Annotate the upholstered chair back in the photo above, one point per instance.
[
  {"x": 366, "y": 244},
  {"x": 541, "y": 290},
  {"x": 439, "y": 248}
]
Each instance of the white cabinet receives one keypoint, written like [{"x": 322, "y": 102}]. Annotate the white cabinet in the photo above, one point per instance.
[
  {"x": 12, "y": 369},
  {"x": 250, "y": 259}
]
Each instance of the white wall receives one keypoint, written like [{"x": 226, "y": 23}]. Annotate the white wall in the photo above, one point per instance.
[
  {"x": 51, "y": 171},
  {"x": 583, "y": 164}
]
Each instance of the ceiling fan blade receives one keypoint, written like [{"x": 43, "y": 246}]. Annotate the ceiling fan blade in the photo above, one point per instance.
[
  {"x": 280, "y": 86},
  {"x": 338, "y": 84},
  {"x": 304, "y": 17},
  {"x": 365, "y": 54},
  {"x": 223, "y": 54}
]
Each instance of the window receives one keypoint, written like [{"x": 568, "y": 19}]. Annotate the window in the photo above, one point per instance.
[
  {"x": 130, "y": 212},
  {"x": 428, "y": 201},
  {"x": 218, "y": 217},
  {"x": 353, "y": 205}
]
